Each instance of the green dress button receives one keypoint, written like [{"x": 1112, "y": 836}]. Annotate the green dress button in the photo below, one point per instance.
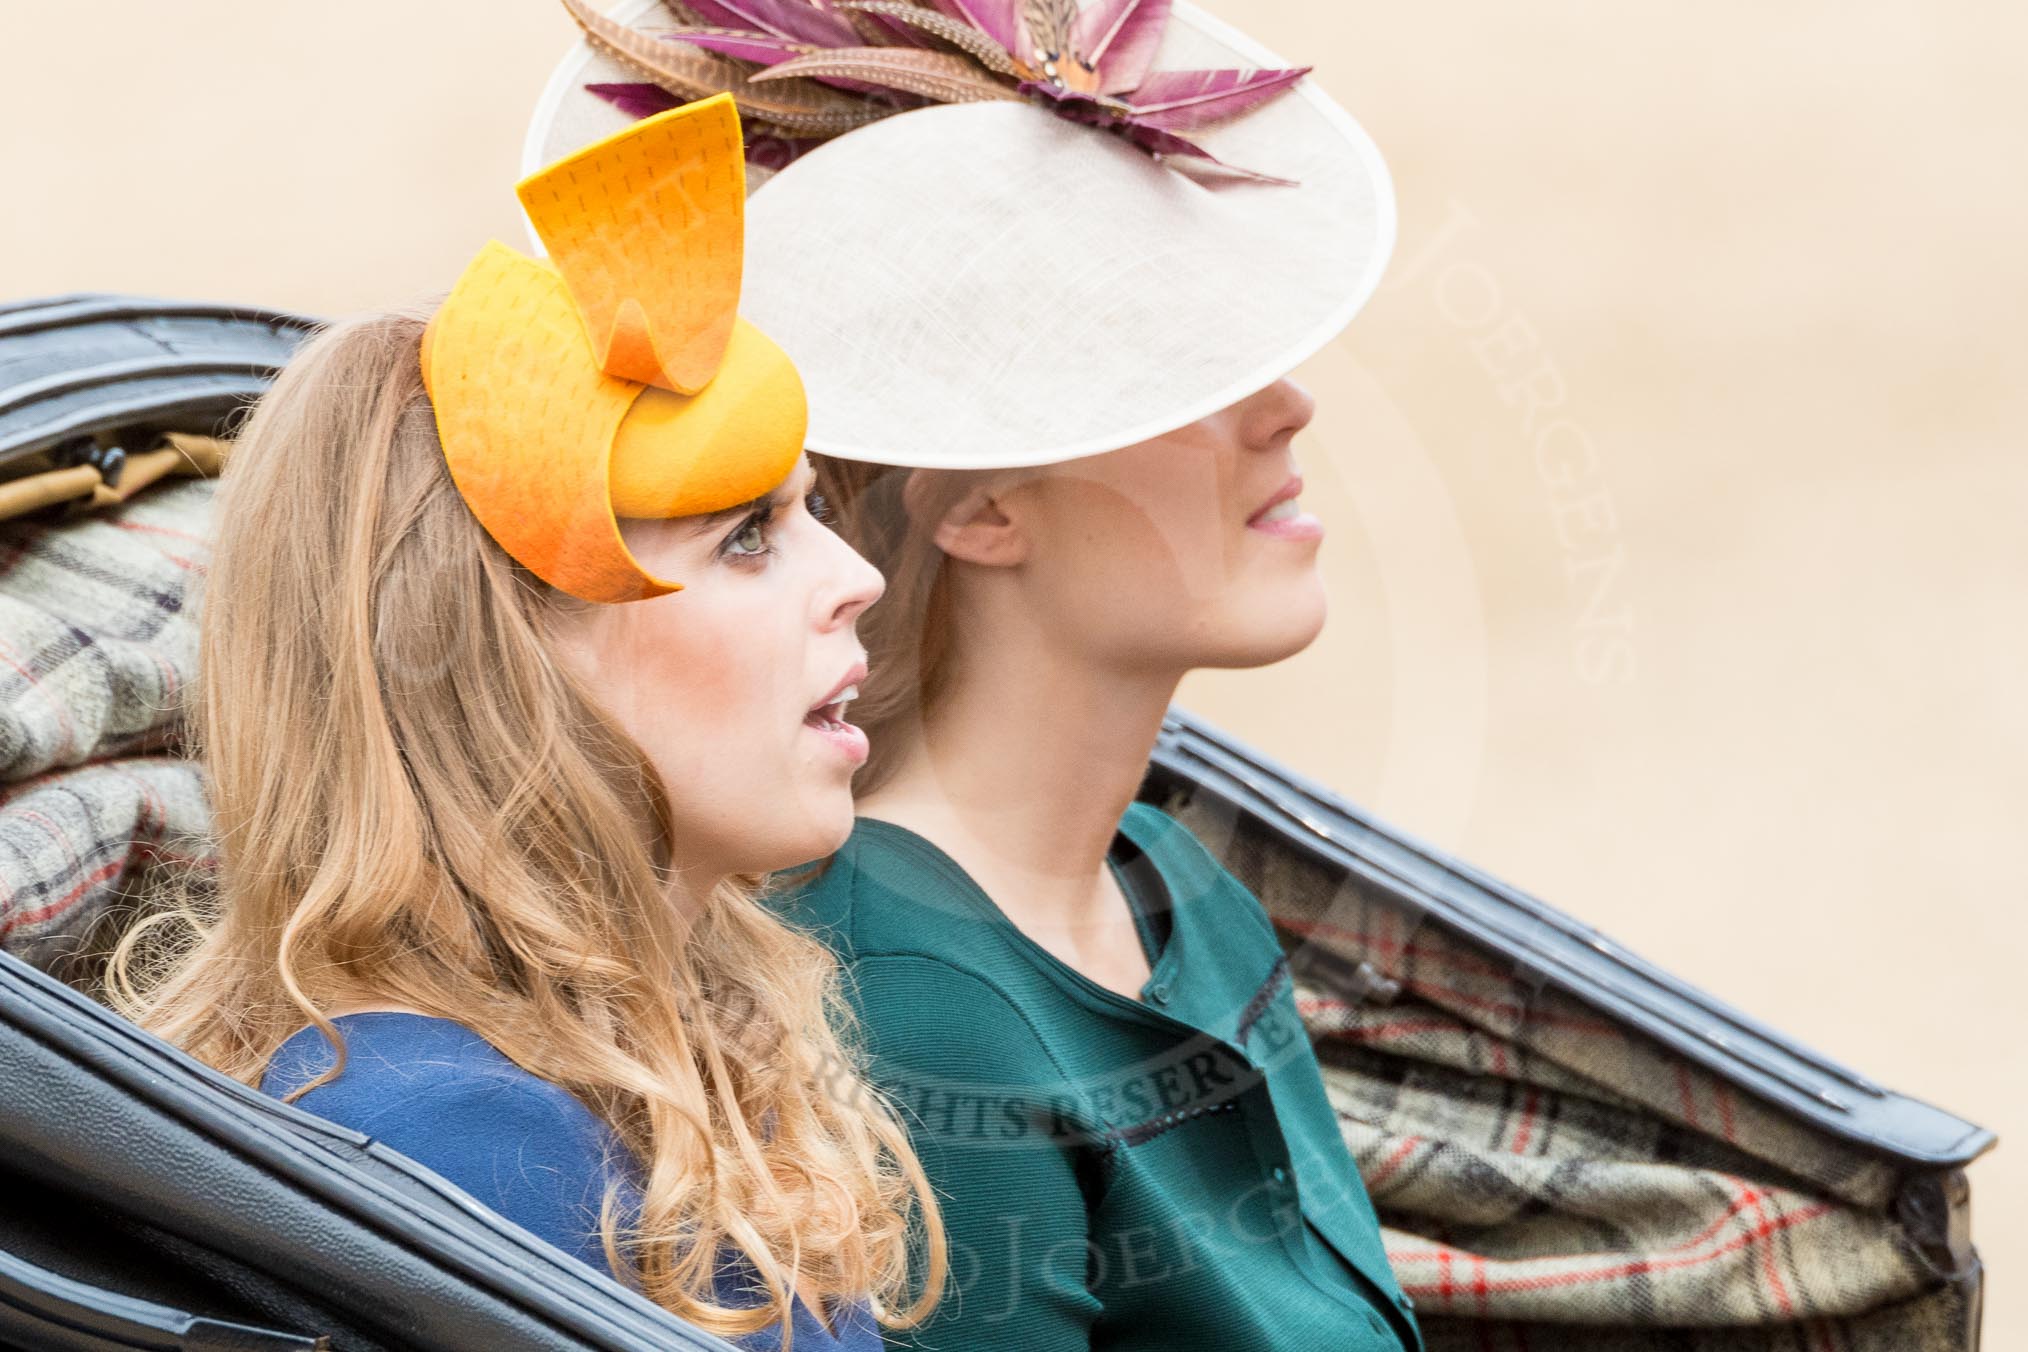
[
  {"x": 1281, "y": 1174},
  {"x": 1160, "y": 992}
]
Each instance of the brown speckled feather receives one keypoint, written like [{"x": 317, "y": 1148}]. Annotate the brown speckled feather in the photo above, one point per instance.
[
  {"x": 957, "y": 32},
  {"x": 692, "y": 73},
  {"x": 943, "y": 76}
]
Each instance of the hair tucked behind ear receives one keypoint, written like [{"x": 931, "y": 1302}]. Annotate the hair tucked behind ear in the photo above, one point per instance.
[
  {"x": 417, "y": 805},
  {"x": 908, "y": 636}
]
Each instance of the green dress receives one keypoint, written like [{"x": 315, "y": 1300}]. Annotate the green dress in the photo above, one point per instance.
[{"x": 1154, "y": 1175}]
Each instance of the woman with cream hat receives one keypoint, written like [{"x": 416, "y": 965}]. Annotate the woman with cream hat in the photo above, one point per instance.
[
  {"x": 525, "y": 657},
  {"x": 1045, "y": 270}
]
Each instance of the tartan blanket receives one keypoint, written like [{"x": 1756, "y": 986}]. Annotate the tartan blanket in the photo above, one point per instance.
[
  {"x": 98, "y": 628},
  {"x": 98, "y": 649},
  {"x": 1550, "y": 1179},
  {"x": 79, "y": 848}
]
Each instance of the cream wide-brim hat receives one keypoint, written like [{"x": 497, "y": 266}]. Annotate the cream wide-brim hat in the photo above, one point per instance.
[{"x": 981, "y": 285}]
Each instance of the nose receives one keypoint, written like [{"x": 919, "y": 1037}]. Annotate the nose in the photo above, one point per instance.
[
  {"x": 1278, "y": 413},
  {"x": 850, "y": 585}
]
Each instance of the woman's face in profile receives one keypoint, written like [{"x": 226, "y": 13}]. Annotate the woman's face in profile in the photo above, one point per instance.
[
  {"x": 1186, "y": 550},
  {"x": 733, "y": 685}
]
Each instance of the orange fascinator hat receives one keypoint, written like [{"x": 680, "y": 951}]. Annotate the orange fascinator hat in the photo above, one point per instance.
[{"x": 616, "y": 378}]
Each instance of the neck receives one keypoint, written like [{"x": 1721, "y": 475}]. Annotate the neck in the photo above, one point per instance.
[
  {"x": 1023, "y": 768},
  {"x": 689, "y": 889}
]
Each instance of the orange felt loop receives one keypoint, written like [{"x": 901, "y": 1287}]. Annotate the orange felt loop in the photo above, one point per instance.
[
  {"x": 617, "y": 379},
  {"x": 647, "y": 228},
  {"x": 744, "y": 430}
]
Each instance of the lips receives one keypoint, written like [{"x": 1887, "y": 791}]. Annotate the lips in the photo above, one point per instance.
[
  {"x": 827, "y": 717},
  {"x": 1288, "y": 492},
  {"x": 1281, "y": 516}
]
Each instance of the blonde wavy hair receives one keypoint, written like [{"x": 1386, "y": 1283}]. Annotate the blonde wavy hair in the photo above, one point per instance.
[{"x": 415, "y": 803}]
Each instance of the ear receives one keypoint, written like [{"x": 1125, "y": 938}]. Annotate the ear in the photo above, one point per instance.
[{"x": 975, "y": 527}]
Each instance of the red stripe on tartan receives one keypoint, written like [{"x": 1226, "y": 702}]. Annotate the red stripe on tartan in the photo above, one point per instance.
[
  {"x": 41, "y": 913},
  {"x": 152, "y": 529},
  {"x": 1741, "y": 1195},
  {"x": 1393, "y": 1162},
  {"x": 1724, "y": 1097},
  {"x": 10, "y": 792},
  {"x": 1689, "y": 1099},
  {"x": 1767, "y": 1257},
  {"x": 1443, "y": 1288},
  {"x": 1527, "y": 1127},
  {"x": 1740, "y": 1200},
  {"x": 155, "y": 818},
  {"x": 55, "y": 705},
  {"x": 1546, "y": 1280},
  {"x": 55, "y": 832},
  {"x": 169, "y": 682},
  {"x": 135, "y": 849},
  {"x": 1739, "y": 1203},
  {"x": 1481, "y": 1291}
]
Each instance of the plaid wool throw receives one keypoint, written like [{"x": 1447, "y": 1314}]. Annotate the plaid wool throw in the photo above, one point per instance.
[
  {"x": 1550, "y": 1179},
  {"x": 98, "y": 650}
]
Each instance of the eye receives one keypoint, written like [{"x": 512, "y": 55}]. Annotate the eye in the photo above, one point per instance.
[
  {"x": 820, "y": 507},
  {"x": 750, "y": 540}
]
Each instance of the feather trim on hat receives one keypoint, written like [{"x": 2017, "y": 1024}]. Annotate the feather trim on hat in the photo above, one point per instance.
[{"x": 803, "y": 71}]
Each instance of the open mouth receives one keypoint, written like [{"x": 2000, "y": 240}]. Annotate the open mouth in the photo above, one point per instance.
[
  {"x": 831, "y": 717},
  {"x": 827, "y": 719}
]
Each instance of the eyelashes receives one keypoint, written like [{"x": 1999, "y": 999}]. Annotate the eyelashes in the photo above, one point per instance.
[{"x": 753, "y": 538}]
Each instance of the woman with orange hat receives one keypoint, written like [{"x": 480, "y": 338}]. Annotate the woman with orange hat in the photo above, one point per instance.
[{"x": 526, "y": 656}]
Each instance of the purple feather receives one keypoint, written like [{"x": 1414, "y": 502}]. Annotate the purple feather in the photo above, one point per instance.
[
  {"x": 765, "y": 49},
  {"x": 1156, "y": 141},
  {"x": 1115, "y": 40},
  {"x": 762, "y": 47},
  {"x": 1178, "y": 100},
  {"x": 894, "y": 32},
  {"x": 1118, "y": 38},
  {"x": 1109, "y": 114},
  {"x": 998, "y": 19},
  {"x": 636, "y": 100},
  {"x": 1093, "y": 110},
  {"x": 795, "y": 20}
]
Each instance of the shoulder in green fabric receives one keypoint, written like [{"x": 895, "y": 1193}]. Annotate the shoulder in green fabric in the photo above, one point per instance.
[
  {"x": 882, "y": 886},
  {"x": 888, "y": 890}
]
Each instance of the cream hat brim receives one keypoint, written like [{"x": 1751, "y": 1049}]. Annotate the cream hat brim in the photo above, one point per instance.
[{"x": 986, "y": 284}]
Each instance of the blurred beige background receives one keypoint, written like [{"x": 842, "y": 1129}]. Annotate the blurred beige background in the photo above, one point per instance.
[{"x": 1675, "y": 476}]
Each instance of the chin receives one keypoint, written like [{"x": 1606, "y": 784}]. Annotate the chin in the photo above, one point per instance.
[
  {"x": 1262, "y": 630},
  {"x": 825, "y": 831}
]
